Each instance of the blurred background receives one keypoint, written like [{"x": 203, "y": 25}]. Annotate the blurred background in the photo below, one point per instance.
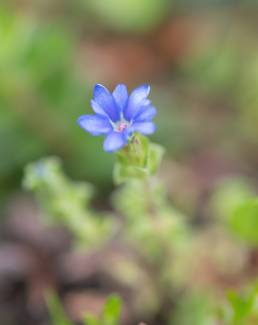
[{"x": 201, "y": 60}]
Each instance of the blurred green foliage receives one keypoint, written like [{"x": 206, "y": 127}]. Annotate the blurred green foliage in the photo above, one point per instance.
[
  {"x": 160, "y": 235},
  {"x": 234, "y": 202},
  {"x": 244, "y": 221},
  {"x": 110, "y": 315},
  {"x": 66, "y": 202},
  {"x": 194, "y": 309},
  {"x": 34, "y": 79},
  {"x": 223, "y": 68},
  {"x": 216, "y": 68},
  {"x": 228, "y": 195},
  {"x": 130, "y": 15},
  {"x": 40, "y": 99},
  {"x": 152, "y": 223},
  {"x": 241, "y": 308},
  {"x": 56, "y": 310}
]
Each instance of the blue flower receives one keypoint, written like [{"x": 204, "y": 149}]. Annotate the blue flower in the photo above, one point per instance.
[{"x": 119, "y": 115}]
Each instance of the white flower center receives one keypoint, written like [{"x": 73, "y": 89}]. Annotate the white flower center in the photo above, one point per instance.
[{"x": 120, "y": 126}]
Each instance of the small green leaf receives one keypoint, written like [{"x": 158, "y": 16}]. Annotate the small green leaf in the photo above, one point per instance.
[
  {"x": 244, "y": 221},
  {"x": 242, "y": 308},
  {"x": 56, "y": 310},
  {"x": 112, "y": 310},
  {"x": 91, "y": 319}
]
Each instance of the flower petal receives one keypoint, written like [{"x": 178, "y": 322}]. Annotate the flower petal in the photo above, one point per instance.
[
  {"x": 136, "y": 101},
  {"x": 95, "y": 124},
  {"x": 97, "y": 108},
  {"x": 140, "y": 92},
  {"x": 146, "y": 114},
  {"x": 106, "y": 101},
  {"x": 143, "y": 127},
  {"x": 120, "y": 95},
  {"x": 114, "y": 141}
]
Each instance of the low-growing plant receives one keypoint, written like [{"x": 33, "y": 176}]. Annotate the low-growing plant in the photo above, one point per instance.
[{"x": 162, "y": 240}]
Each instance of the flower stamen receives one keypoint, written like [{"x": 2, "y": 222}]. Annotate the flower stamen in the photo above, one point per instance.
[{"x": 121, "y": 126}]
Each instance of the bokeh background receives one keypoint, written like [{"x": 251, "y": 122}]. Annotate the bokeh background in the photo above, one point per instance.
[{"x": 201, "y": 59}]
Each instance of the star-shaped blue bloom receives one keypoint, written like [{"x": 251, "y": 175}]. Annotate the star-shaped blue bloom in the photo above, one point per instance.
[{"x": 118, "y": 115}]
